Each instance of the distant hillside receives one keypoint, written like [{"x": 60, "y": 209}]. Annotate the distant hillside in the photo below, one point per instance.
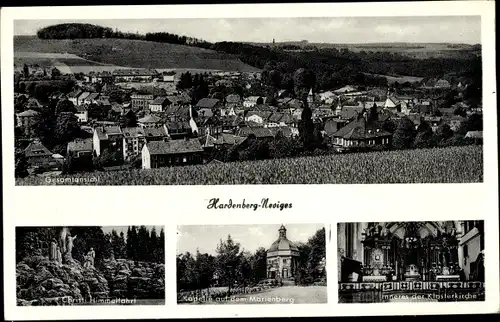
[
  {"x": 412, "y": 50},
  {"x": 134, "y": 53}
]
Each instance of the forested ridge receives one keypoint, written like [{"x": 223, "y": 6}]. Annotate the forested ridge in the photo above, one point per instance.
[{"x": 333, "y": 67}]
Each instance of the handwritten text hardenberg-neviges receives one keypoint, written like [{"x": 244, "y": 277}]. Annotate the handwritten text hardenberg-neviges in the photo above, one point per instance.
[{"x": 215, "y": 203}]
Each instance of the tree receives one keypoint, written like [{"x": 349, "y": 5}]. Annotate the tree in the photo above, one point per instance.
[
  {"x": 405, "y": 133},
  {"x": 21, "y": 165},
  {"x": 132, "y": 241},
  {"x": 304, "y": 80},
  {"x": 65, "y": 106},
  {"x": 55, "y": 73},
  {"x": 153, "y": 241},
  {"x": 129, "y": 119},
  {"x": 373, "y": 113},
  {"x": 306, "y": 127},
  {"x": 67, "y": 127},
  {"x": 227, "y": 261},
  {"x": 118, "y": 244},
  {"x": 143, "y": 244},
  {"x": 424, "y": 134},
  {"x": 26, "y": 71},
  {"x": 258, "y": 264},
  {"x": 444, "y": 132}
]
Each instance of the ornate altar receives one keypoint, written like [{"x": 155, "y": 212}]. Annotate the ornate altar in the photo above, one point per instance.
[{"x": 413, "y": 254}]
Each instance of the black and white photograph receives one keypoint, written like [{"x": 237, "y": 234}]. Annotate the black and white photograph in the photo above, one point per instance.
[
  {"x": 420, "y": 261},
  {"x": 111, "y": 265},
  {"x": 218, "y": 101},
  {"x": 251, "y": 264}
]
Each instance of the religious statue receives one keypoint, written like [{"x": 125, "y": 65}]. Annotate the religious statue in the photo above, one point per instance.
[
  {"x": 62, "y": 239},
  {"x": 53, "y": 250},
  {"x": 69, "y": 244},
  {"x": 89, "y": 259},
  {"x": 59, "y": 255}
]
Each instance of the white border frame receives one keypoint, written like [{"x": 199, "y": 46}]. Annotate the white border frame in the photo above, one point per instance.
[{"x": 168, "y": 205}]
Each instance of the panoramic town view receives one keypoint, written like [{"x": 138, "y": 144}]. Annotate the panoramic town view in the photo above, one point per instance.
[
  {"x": 164, "y": 102},
  {"x": 251, "y": 264}
]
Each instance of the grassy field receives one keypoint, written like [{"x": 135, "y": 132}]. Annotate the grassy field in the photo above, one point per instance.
[
  {"x": 134, "y": 53},
  {"x": 66, "y": 63},
  {"x": 444, "y": 165},
  {"x": 391, "y": 79}
]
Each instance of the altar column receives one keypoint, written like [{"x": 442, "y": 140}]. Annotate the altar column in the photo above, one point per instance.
[
  {"x": 460, "y": 250},
  {"x": 341, "y": 239}
]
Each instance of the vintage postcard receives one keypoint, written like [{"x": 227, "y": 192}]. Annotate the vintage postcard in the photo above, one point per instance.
[{"x": 242, "y": 136}]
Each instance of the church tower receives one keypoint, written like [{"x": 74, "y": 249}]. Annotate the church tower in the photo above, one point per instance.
[{"x": 282, "y": 232}]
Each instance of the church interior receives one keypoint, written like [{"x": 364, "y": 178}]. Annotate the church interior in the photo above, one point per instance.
[{"x": 382, "y": 259}]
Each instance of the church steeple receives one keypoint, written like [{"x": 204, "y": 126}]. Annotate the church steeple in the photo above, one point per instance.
[{"x": 282, "y": 231}]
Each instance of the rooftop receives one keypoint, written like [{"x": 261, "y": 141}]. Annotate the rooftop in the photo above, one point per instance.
[{"x": 174, "y": 147}]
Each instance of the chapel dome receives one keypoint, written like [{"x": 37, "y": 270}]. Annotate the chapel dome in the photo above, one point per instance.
[{"x": 282, "y": 243}]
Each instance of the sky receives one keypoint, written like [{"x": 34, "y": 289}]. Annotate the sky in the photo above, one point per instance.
[
  {"x": 108, "y": 229},
  {"x": 341, "y": 30},
  {"x": 207, "y": 237}
]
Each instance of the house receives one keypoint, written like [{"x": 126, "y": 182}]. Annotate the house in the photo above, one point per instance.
[
  {"x": 361, "y": 134},
  {"x": 178, "y": 113},
  {"x": 392, "y": 104},
  {"x": 149, "y": 121},
  {"x": 232, "y": 100},
  {"x": 178, "y": 130},
  {"x": 155, "y": 133},
  {"x": 226, "y": 140},
  {"x": 108, "y": 138},
  {"x": 207, "y": 142},
  {"x": 291, "y": 103},
  {"x": 208, "y": 103},
  {"x": 474, "y": 134},
  {"x": 38, "y": 156},
  {"x": 417, "y": 119},
  {"x": 434, "y": 121},
  {"x": 141, "y": 102},
  {"x": 100, "y": 77},
  {"x": 332, "y": 125},
  {"x": 279, "y": 120},
  {"x": 129, "y": 75},
  {"x": 345, "y": 90},
  {"x": 73, "y": 96},
  {"x": 82, "y": 114},
  {"x": 159, "y": 104},
  {"x": 81, "y": 148},
  {"x": 205, "y": 112},
  {"x": 133, "y": 141},
  {"x": 227, "y": 111},
  {"x": 327, "y": 97},
  {"x": 169, "y": 77},
  {"x": 27, "y": 121},
  {"x": 81, "y": 98},
  {"x": 251, "y": 101},
  {"x": 156, "y": 154},
  {"x": 257, "y": 117},
  {"x": 81, "y": 152},
  {"x": 350, "y": 112},
  {"x": 442, "y": 83}
]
